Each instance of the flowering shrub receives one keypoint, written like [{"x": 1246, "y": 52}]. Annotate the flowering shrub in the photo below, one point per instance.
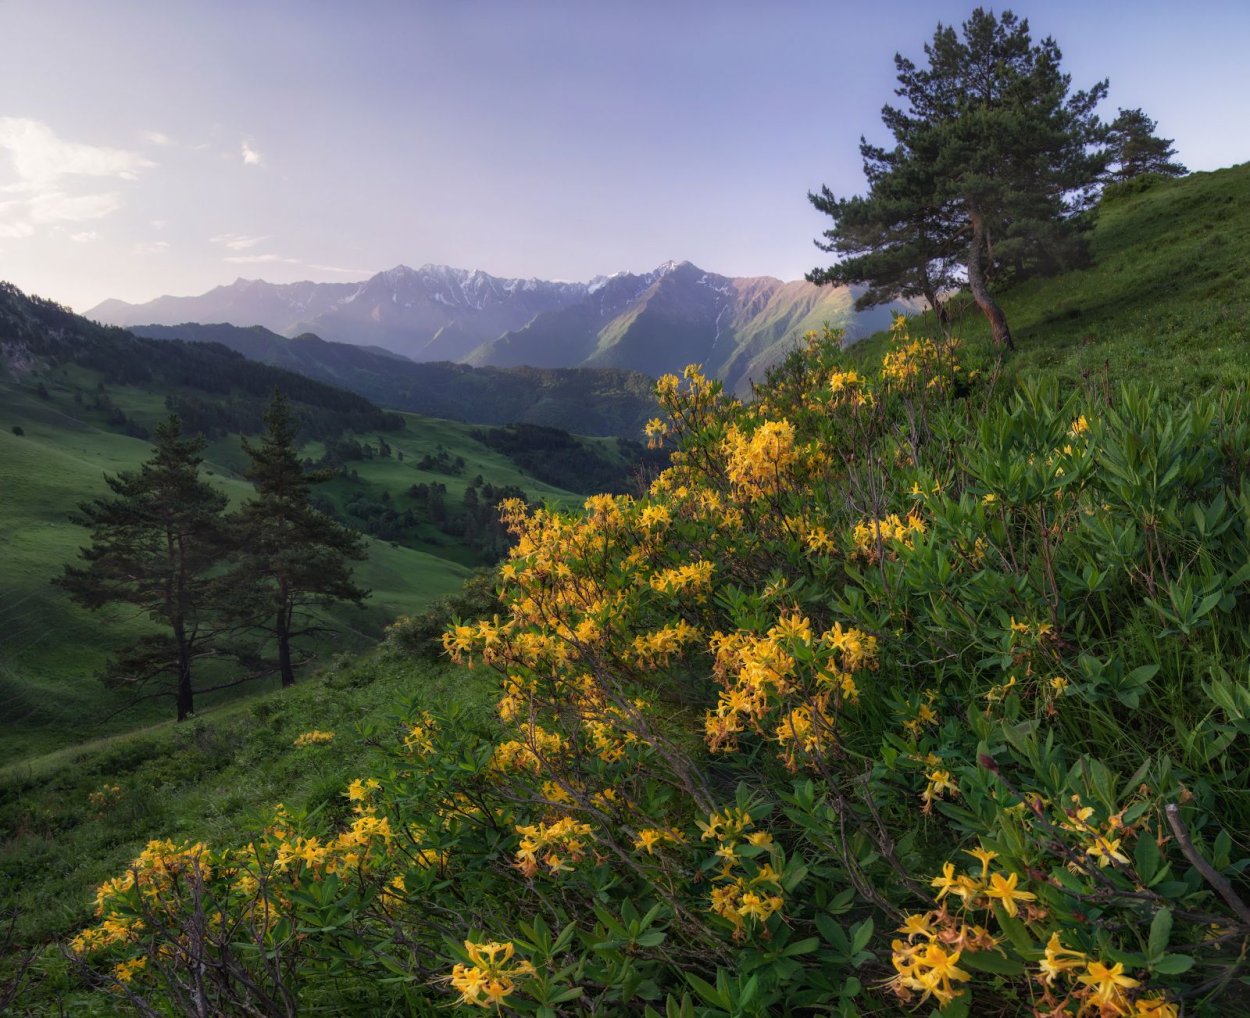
[
  {"x": 896, "y": 690},
  {"x": 314, "y": 738}
]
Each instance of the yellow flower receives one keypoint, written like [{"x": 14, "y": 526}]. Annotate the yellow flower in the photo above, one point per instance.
[
  {"x": 1108, "y": 984},
  {"x": 933, "y": 971},
  {"x": 1105, "y": 850},
  {"x": 984, "y": 856},
  {"x": 918, "y": 925},
  {"x": 1057, "y": 960},
  {"x": 946, "y": 882},
  {"x": 1004, "y": 889},
  {"x": 1154, "y": 1007}
]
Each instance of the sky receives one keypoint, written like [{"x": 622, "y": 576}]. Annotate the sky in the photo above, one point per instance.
[{"x": 154, "y": 147}]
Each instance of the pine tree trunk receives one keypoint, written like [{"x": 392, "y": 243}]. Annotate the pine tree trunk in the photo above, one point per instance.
[
  {"x": 980, "y": 292},
  {"x": 284, "y": 648},
  {"x": 186, "y": 703},
  {"x": 939, "y": 308}
]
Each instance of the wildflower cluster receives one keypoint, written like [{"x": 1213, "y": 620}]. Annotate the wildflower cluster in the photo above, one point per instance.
[
  {"x": 746, "y": 891},
  {"x": 316, "y": 737},
  {"x": 105, "y": 797},
  {"x": 490, "y": 975}
]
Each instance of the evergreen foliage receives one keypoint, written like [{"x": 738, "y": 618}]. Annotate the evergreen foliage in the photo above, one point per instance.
[
  {"x": 993, "y": 160},
  {"x": 158, "y": 544},
  {"x": 294, "y": 557},
  {"x": 1135, "y": 149}
]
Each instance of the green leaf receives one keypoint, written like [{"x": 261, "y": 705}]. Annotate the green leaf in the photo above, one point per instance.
[
  {"x": 1146, "y": 855},
  {"x": 1160, "y": 933},
  {"x": 801, "y": 947},
  {"x": 706, "y": 990},
  {"x": 1173, "y": 964},
  {"x": 860, "y": 935},
  {"x": 992, "y": 961}
]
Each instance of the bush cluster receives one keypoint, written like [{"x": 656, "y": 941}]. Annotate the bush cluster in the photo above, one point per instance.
[{"x": 895, "y": 691}]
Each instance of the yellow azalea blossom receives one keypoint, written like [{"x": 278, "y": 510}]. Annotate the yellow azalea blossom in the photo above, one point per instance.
[
  {"x": 1154, "y": 1007},
  {"x": 918, "y": 925},
  {"x": 984, "y": 857},
  {"x": 946, "y": 882},
  {"x": 1108, "y": 984},
  {"x": 1004, "y": 890},
  {"x": 1106, "y": 850},
  {"x": 1057, "y": 960}
]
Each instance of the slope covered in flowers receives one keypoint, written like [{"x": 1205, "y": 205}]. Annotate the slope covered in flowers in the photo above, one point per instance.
[{"x": 897, "y": 691}]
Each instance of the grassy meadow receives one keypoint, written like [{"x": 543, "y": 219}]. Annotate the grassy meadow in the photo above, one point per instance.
[
  {"x": 50, "y": 648},
  {"x": 210, "y": 777}
]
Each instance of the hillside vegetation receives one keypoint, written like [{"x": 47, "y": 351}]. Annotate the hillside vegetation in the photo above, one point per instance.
[
  {"x": 603, "y": 402},
  {"x": 1166, "y": 298},
  {"x": 918, "y": 683},
  {"x": 80, "y": 401},
  {"x": 885, "y": 649}
]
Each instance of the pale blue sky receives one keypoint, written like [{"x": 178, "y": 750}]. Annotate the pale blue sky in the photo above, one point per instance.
[{"x": 156, "y": 146}]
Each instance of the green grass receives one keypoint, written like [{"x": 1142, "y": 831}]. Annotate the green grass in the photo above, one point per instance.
[
  {"x": 210, "y": 778},
  {"x": 50, "y": 648},
  {"x": 1166, "y": 300}
]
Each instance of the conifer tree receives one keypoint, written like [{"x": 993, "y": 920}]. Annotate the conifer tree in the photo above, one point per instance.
[
  {"x": 293, "y": 556},
  {"x": 1136, "y": 149},
  {"x": 993, "y": 160},
  {"x": 157, "y": 543}
]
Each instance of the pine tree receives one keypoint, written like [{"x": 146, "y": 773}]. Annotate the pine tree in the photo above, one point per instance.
[
  {"x": 293, "y": 556},
  {"x": 158, "y": 543},
  {"x": 1136, "y": 149},
  {"x": 993, "y": 160}
]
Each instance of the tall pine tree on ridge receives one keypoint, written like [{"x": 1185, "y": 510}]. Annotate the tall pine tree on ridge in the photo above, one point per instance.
[
  {"x": 994, "y": 159},
  {"x": 293, "y": 557},
  {"x": 159, "y": 544}
]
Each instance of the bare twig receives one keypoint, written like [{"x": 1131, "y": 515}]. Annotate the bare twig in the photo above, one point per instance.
[{"x": 1209, "y": 873}]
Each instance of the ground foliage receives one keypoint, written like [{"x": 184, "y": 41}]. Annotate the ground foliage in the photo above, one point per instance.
[{"x": 902, "y": 688}]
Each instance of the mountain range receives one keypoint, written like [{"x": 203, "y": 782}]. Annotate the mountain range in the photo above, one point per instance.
[
  {"x": 653, "y": 322},
  {"x": 602, "y": 402}
]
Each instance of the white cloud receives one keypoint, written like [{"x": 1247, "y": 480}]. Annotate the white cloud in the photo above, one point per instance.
[
  {"x": 86, "y": 237},
  {"x": 39, "y": 157},
  {"x": 346, "y": 272},
  {"x": 153, "y": 247},
  {"x": 250, "y": 156},
  {"x": 159, "y": 224},
  {"x": 157, "y": 138},
  {"x": 58, "y": 207},
  {"x": 259, "y": 259},
  {"x": 237, "y": 241},
  {"x": 40, "y": 167}
]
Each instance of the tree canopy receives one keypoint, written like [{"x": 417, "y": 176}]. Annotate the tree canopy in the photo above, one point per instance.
[
  {"x": 157, "y": 544},
  {"x": 293, "y": 556},
  {"x": 1135, "y": 149},
  {"x": 994, "y": 158}
]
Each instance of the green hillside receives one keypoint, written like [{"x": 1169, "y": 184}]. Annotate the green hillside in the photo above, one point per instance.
[
  {"x": 79, "y": 401},
  {"x": 1166, "y": 299},
  {"x": 50, "y": 647},
  {"x": 607, "y": 401}
]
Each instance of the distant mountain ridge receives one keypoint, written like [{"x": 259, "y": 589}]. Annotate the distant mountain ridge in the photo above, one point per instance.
[
  {"x": 652, "y": 322},
  {"x": 593, "y": 402}
]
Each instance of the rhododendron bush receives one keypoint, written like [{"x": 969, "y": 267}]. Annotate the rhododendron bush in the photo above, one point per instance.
[{"x": 902, "y": 688}]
